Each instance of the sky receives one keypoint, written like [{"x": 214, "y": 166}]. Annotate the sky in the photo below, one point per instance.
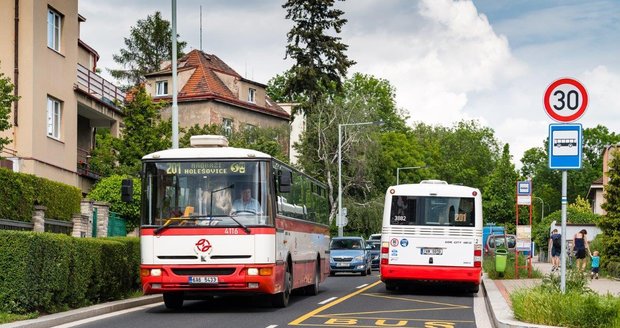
[{"x": 487, "y": 60}]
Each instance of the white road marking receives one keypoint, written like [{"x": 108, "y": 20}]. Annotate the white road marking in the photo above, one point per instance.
[
  {"x": 362, "y": 286},
  {"x": 328, "y": 300},
  {"x": 107, "y": 315},
  {"x": 271, "y": 326}
]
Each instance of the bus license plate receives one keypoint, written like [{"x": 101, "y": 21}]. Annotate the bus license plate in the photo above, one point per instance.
[
  {"x": 432, "y": 251},
  {"x": 203, "y": 280}
]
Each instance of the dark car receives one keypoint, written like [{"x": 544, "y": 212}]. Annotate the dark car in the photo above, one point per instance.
[
  {"x": 374, "y": 247},
  {"x": 349, "y": 254}
]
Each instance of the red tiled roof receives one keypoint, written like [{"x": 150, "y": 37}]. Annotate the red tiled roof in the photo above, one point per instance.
[{"x": 204, "y": 84}]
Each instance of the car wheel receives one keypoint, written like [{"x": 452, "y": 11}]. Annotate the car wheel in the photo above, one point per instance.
[
  {"x": 365, "y": 272},
  {"x": 173, "y": 301},
  {"x": 314, "y": 288}
]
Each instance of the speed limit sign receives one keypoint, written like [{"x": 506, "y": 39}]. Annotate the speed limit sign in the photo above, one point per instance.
[{"x": 565, "y": 100}]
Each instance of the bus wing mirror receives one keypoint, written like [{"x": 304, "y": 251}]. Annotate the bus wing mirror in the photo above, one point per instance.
[
  {"x": 127, "y": 191},
  {"x": 285, "y": 181}
]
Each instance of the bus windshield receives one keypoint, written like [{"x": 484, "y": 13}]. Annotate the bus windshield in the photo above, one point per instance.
[
  {"x": 433, "y": 211},
  {"x": 206, "y": 193}
]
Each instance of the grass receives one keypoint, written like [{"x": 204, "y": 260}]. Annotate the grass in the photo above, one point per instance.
[
  {"x": 578, "y": 307},
  {"x": 9, "y": 317}
]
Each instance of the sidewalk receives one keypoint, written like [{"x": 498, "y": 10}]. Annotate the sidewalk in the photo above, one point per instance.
[{"x": 498, "y": 291}]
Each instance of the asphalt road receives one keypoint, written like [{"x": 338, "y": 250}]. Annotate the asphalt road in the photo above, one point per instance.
[{"x": 344, "y": 301}]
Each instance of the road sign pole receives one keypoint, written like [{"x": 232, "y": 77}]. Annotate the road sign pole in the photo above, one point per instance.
[{"x": 564, "y": 250}]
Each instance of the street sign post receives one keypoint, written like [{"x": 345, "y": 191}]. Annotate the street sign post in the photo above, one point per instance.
[
  {"x": 524, "y": 192},
  {"x": 565, "y": 143},
  {"x": 565, "y": 100}
]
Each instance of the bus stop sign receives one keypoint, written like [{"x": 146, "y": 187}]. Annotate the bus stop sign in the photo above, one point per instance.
[{"x": 565, "y": 143}]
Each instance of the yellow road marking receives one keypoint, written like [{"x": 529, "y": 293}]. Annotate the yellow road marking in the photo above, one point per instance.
[
  {"x": 384, "y": 318},
  {"x": 418, "y": 301},
  {"x": 328, "y": 305}
]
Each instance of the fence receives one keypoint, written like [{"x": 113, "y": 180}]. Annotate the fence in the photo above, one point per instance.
[{"x": 94, "y": 220}]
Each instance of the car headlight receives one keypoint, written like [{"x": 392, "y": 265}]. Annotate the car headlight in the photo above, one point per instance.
[{"x": 358, "y": 258}]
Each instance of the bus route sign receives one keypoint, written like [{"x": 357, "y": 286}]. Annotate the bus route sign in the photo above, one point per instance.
[{"x": 565, "y": 143}]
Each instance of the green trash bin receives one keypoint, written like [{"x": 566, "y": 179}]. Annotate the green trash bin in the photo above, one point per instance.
[{"x": 501, "y": 256}]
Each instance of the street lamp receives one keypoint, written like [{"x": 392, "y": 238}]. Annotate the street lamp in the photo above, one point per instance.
[
  {"x": 339, "y": 220},
  {"x": 405, "y": 168},
  {"x": 542, "y": 210}
]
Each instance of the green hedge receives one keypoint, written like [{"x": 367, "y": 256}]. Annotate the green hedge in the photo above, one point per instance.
[
  {"x": 22, "y": 191},
  {"x": 51, "y": 272}
]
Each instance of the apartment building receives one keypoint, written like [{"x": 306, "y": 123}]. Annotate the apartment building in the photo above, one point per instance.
[
  {"x": 210, "y": 92},
  {"x": 62, "y": 99}
]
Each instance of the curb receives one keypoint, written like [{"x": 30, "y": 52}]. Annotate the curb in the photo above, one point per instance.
[
  {"x": 500, "y": 312},
  {"x": 60, "y": 318}
]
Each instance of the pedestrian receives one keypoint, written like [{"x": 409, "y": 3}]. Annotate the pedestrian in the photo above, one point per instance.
[
  {"x": 555, "y": 243},
  {"x": 596, "y": 262},
  {"x": 581, "y": 246}
]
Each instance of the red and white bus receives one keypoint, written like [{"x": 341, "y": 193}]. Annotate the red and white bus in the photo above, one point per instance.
[
  {"x": 432, "y": 231},
  {"x": 220, "y": 220}
]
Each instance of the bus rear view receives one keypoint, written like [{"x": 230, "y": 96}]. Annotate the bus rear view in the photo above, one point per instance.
[{"x": 432, "y": 232}]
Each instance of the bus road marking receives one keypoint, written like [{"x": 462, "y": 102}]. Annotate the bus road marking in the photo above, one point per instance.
[
  {"x": 301, "y": 319},
  {"x": 328, "y": 300},
  {"x": 361, "y": 286}
]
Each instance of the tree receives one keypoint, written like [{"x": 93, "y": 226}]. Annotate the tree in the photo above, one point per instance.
[
  {"x": 148, "y": 46},
  {"x": 610, "y": 222},
  {"x": 7, "y": 98},
  {"x": 143, "y": 133},
  {"x": 320, "y": 59},
  {"x": 109, "y": 190},
  {"x": 499, "y": 192},
  {"x": 363, "y": 98}
]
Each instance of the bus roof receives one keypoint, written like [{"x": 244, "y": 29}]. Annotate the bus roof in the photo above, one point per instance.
[
  {"x": 207, "y": 153},
  {"x": 431, "y": 189}
]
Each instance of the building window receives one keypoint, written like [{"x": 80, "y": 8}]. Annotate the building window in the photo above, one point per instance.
[
  {"x": 162, "y": 88},
  {"x": 227, "y": 126},
  {"x": 252, "y": 95},
  {"x": 54, "y": 25},
  {"x": 54, "y": 116}
]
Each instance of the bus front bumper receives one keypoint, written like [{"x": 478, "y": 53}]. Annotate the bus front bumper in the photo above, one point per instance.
[{"x": 212, "y": 279}]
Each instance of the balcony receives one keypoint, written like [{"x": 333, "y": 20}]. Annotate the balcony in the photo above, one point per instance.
[
  {"x": 98, "y": 87},
  {"x": 83, "y": 165}
]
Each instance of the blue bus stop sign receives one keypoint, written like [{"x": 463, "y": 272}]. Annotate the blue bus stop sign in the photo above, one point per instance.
[{"x": 565, "y": 144}]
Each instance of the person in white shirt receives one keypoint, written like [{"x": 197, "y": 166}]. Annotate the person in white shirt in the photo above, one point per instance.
[{"x": 246, "y": 203}]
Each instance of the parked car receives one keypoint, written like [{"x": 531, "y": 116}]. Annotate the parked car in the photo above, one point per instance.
[
  {"x": 349, "y": 254},
  {"x": 494, "y": 241},
  {"x": 374, "y": 247}
]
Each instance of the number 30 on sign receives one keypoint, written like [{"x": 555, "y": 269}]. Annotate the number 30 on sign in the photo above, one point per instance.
[{"x": 565, "y": 100}]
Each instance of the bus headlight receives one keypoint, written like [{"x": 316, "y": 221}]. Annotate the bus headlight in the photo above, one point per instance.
[
  {"x": 252, "y": 272},
  {"x": 155, "y": 272}
]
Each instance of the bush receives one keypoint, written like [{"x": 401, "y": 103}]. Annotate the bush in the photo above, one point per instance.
[
  {"x": 109, "y": 190},
  {"x": 50, "y": 272},
  {"x": 20, "y": 192}
]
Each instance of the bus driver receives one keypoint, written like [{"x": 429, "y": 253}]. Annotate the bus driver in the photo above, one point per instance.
[{"x": 246, "y": 203}]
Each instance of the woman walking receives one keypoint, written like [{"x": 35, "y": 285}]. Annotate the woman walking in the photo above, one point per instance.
[{"x": 581, "y": 247}]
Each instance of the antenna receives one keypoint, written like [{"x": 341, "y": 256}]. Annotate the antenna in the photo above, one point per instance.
[{"x": 200, "y": 28}]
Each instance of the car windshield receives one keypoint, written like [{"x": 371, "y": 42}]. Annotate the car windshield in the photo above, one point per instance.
[
  {"x": 374, "y": 245},
  {"x": 346, "y": 244}
]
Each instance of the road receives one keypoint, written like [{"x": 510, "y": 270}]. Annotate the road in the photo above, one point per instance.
[{"x": 344, "y": 301}]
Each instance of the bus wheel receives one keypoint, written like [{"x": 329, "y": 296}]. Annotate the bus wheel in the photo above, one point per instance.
[
  {"x": 390, "y": 286},
  {"x": 474, "y": 289},
  {"x": 173, "y": 301},
  {"x": 281, "y": 299},
  {"x": 314, "y": 288}
]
